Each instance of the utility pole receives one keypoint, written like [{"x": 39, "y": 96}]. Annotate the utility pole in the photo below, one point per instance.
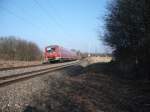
[{"x": 89, "y": 50}]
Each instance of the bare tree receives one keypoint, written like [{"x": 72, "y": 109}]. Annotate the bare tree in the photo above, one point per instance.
[
  {"x": 128, "y": 32},
  {"x": 12, "y": 48}
]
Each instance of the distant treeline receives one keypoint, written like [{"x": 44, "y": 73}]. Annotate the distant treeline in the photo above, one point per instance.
[
  {"x": 12, "y": 48},
  {"x": 86, "y": 54},
  {"x": 128, "y": 34}
]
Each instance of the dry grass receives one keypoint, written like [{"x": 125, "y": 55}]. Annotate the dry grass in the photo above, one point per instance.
[
  {"x": 99, "y": 59},
  {"x": 94, "y": 92},
  {"x": 5, "y": 64}
]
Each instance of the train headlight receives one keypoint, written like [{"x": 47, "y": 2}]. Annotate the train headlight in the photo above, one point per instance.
[{"x": 57, "y": 58}]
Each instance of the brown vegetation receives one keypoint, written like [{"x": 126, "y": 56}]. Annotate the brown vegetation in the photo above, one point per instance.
[
  {"x": 12, "y": 48},
  {"x": 93, "y": 90},
  {"x": 99, "y": 90},
  {"x": 7, "y": 64},
  {"x": 128, "y": 34}
]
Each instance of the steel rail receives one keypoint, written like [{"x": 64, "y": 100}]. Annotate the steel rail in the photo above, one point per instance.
[
  {"x": 26, "y": 66},
  {"x": 7, "y": 80}
]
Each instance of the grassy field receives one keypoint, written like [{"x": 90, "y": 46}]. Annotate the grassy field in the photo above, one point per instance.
[{"x": 5, "y": 64}]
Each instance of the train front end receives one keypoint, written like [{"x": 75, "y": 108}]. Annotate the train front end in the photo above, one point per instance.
[{"x": 51, "y": 54}]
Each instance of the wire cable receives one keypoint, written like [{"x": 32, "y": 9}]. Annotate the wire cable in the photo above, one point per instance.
[
  {"x": 20, "y": 18},
  {"x": 50, "y": 16}
]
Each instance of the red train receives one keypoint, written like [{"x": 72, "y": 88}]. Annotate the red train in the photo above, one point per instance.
[{"x": 57, "y": 53}]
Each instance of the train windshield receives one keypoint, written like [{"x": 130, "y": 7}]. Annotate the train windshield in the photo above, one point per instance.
[{"x": 50, "y": 49}]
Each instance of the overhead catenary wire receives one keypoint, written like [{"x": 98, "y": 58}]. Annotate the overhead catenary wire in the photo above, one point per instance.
[
  {"x": 46, "y": 12},
  {"x": 20, "y": 18},
  {"x": 60, "y": 17},
  {"x": 44, "y": 27},
  {"x": 60, "y": 26},
  {"x": 56, "y": 11}
]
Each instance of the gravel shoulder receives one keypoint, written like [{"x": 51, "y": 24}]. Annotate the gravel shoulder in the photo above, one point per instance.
[{"x": 82, "y": 88}]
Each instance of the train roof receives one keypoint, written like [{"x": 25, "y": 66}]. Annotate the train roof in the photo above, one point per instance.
[{"x": 53, "y": 46}]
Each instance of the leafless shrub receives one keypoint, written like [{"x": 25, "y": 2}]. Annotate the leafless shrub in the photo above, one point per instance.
[{"x": 12, "y": 48}]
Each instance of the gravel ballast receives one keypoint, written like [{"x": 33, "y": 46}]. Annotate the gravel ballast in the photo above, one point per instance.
[
  {"x": 18, "y": 96},
  {"x": 79, "y": 88}
]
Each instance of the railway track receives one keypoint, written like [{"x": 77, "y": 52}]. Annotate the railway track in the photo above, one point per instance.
[{"x": 9, "y": 79}]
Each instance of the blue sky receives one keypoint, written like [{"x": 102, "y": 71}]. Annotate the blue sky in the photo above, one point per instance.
[{"x": 73, "y": 24}]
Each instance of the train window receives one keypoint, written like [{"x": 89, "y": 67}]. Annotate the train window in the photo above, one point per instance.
[
  {"x": 53, "y": 49},
  {"x": 49, "y": 49}
]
